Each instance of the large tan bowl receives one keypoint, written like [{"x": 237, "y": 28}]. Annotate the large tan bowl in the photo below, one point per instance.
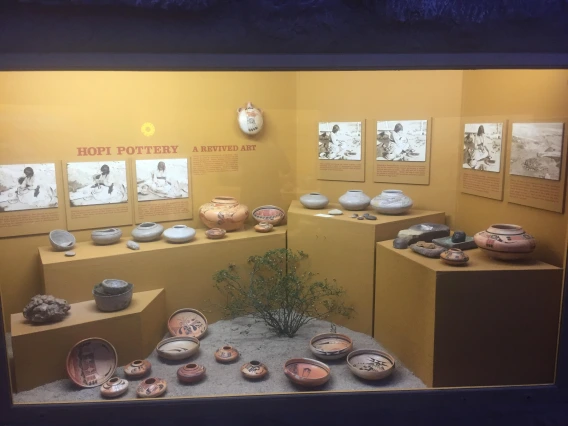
[
  {"x": 307, "y": 372},
  {"x": 331, "y": 345},
  {"x": 370, "y": 364},
  {"x": 176, "y": 348}
]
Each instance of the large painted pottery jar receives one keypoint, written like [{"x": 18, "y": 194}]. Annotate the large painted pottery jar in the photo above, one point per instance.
[
  {"x": 147, "y": 231},
  {"x": 178, "y": 234},
  {"x": 307, "y": 372},
  {"x": 61, "y": 240},
  {"x": 505, "y": 242},
  {"x": 152, "y": 387},
  {"x": 91, "y": 362},
  {"x": 250, "y": 119},
  {"x": 371, "y": 364},
  {"x": 391, "y": 201},
  {"x": 314, "y": 201},
  {"x": 331, "y": 345},
  {"x": 104, "y": 237},
  {"x": 191, "y": 373},
  {"x": 225, "y": 213},
  {"x": 114, "y": 387},
  {"x": 354, "y": 199}
]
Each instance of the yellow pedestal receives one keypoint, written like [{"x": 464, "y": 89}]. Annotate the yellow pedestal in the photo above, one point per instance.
[
  {"x": 343, "y": 248},
  {"x": 40, "y": 351},
  {"x": 487, "y": 323}
]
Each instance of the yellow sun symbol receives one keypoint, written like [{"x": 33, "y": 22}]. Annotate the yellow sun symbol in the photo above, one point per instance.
[{"x": 148, "y": 129}]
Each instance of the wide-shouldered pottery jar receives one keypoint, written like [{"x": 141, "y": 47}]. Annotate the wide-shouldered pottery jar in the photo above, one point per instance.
[
  {"x": 104, "y": 237},
  {"x": 254, "y": 370},
  {"x": 226, "y": 354},
  {"x": 147, "y": 231},
  {"x": 505, "y": 242},
  {"x": 354, "y": 199},
  {"x": 191, "y": 373},
  {"x": 454, "y": 257},
  {"x": 391, "y": 201},
  {"x": 152, "y": 387},
  {"x": 114, "y": 387},
  {"x": 314, "y": 200},
  {"x": 225, "y": 213},
  {"x": 179, "y": 234},
  {"x": 137, "y": 368},
  {"x": 250, "y": 119}
]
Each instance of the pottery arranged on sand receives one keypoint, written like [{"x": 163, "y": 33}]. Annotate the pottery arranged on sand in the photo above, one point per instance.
[
  {"x": 307, "y": 372},
  {"x": 226, "y": 354},
  {"x": 191, "y": 373},
  {"x": 269, "y": 214},
  {"x": 179, "y": 234},
  {"x": 250, "y": 119},
  {"x": 454, "y": 257},
  {"x": 46, "y": 308},
  {"x": 112, "y": 302},
  {"x": 427, "y": 249},
  {"x": 263, "y": 227},
  {"x": 147, "y": 231},
  {"x": 104, "y": 237},
  {"x": 505, "y": 242},
  {"x": 178, "y": 347},
  {"x": 138, "y": 368},
  {"x": 187, "y": 322},
  {"x": 91, "y": 362},
  {"x": 391, "y": 201},
  {"x": 215, "y": 233},
  {"x": 354, "y": 199},
  {"x": 114, "y": 387},
  {"x": 314, "y": 200},
  {"x": 61, "y": 240},
  {"x": 254, "y": 370},
  {"x": 370, "y": 364},
  {"x": 225, "y": 213},
  {"x": 331, "y": 345},
  {"x": 114, "y": 286},
  {"x": 152, "y": 387}
]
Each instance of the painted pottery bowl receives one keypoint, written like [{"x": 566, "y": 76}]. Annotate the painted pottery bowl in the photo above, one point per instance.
[
  {"x": 354, "y": 199},
  {"x": 454, "y": 257},
  {"x": 254, "y": 370},
  {"x": 114, "y": 286},
  {"x": 104, "y": 237},
  {"x": 331, "y": 345},
  {"x": 250, "y": 119},
  {"x": 147, "y": 231},
  {"x": 269, "y": 214},
  {"x": 112, "y": 302},
  {"x": 314, "y": 200},
  {"x": 225, "y": 213},
  {"x": 114, "y": 387},
  {"x": 226, "y": 354},
  {"x": 179, "y": 234},
  {"x": 391, "y": 201},
  {"x": 215, "y": 233},
  {"x": 187, "y": 322},
  {"x": 370, "y": 364},
  {"x": 307, "y": 372},
  {"x": 152, "y": 387},
  {"x": 178, "y": 347},
  {"x": 191, "y": 373},
  {"x": 61, "y": 240},
  {"x": 505, "y": 242},
  {"x": 137, "y": 368},
  {"x": 91, "y": 362},
  {"x": 263, "y": 227}
]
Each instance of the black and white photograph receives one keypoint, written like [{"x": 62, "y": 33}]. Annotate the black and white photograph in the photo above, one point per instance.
[
  {"x": 482, "y": 144},
  {"x": 402, "y": 140},
  {"x": 97, "y": 182},
  {"x": 340, "y": 140},
  {"x": 162, "y": 179},
  {"x": 27, "y": 187},
  {"x": 536, "y": 150}
]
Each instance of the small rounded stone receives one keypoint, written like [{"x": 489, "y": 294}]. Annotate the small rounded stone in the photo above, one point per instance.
[
  {"x": 132, "y": 245},
  {"x": 70, "y": 253},
  {"x": 335, "y": 212},
  {"x": 361, "y": 218},
  {"x": 458, "y": 237}
]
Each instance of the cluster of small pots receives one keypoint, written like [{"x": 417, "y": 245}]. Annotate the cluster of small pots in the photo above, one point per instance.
[{"x": 389, "y": 202}]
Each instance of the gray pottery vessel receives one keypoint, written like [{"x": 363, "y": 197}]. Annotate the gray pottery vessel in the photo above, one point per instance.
[
  {"x": 314, "y": 200},
  {"x": 354, "y": 199},
  {"x": 179, "y": 234},
  {"x": 107, "y": 236},
  {"x": 112, "y": 302},
  {"x": 61, "y": 240},
  {"x": 147, "y": 231}
]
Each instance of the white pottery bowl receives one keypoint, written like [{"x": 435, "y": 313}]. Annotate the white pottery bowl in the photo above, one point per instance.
[{"x": 61, "y": 240}]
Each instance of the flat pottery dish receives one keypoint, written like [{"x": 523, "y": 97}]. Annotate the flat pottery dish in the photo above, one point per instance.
[
  {"x": 263, "y": 227},
  {"x": 331, "y": 345},
  {"x": 226, "y": 354},
  {"x": 114, "y": 387},
  {"x": 104, "y": 237},
  {"x": 91, "y": 362},
  {"x": 151, "y": 388},
  {"x": 191, "y": 373},
  {"x": 187, "y": 322},
  {"x": 307, "y": 372},
  {"x": 254, "y": 370},
  {"x": 176, "y": 348},
  {"x": 454, "y": 257},
  {"x": 112, "y": 302},
  {"x": 114, "y": 286},
  {"x": 61, "y": 240},
  {"x": 427, "y": 249},
  {"x": 215, "y": 233},
  {"x": 370, "y": 364},
  {"x": 269, "y": 214},
  {"x": 137, "y": 369}
]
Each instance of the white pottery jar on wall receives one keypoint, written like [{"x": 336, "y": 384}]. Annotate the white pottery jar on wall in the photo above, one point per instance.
[{"x": 250, "y": 119}]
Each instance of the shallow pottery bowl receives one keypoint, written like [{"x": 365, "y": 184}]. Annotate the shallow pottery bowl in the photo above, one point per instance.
[
  {"x": 152, "y": 387},
  {"x": 269, "y": 214},
  {"x": 114, "y": 286},
  {"x": 61, "y": 240},
  {"x": 226, "y": 354},
  {"x": 91, "y": 362},
  {"x": 187, "y": 322},
  {"x": 370, "y": 364},
  {"x": 254, "y": 370},
  {"x": 331, "y": 345},
  {"x": 307, "y": 372},
  {"x": 114, "y": 387},
  {"x": 112, "y": 302},
  {"x": 191, "y": 373},
  {"x": 103, "y": 237},
  {"x": 177, "y": 347},
  {"x": 215, "y": 233}
]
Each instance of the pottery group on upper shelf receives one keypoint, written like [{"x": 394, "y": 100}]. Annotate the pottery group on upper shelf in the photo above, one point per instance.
[
  {"x": 391, "y": 202},
  {"x": 179, "y": 234},
  {"x": 254, "y": 370},
  {"x": 269, "y": 214},
  {"x": 314, "y": 200},
  {"x": 147, "y": 231},
  {"x": 225, "y": 213},
  {"x": 113, "y": 295},
  {"x": 45, "y": 308},
  {"x": 105, "y": 237},
  {"x": 505, "y": 242},
  {"x": 191, "y": 373},
  {"x": 226, "y": 354},
  {"x": 137, "y": 369},
  {"x": 250, "y": 119},
  {"x": 152, "y": 387},
  {"x": 61, "y": 240},
  {"x": 114, "y": 387},
  {"x": 354, "y": 199}
]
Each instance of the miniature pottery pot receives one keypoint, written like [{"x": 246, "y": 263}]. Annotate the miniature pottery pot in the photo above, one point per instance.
[
  {"x": 331, "y": 345},
  {"x": 61, "y": 240},
  {"x": 263, "y": 227},
  {"x": 354, "y": 199},
  {"x": 254, "y": 370},
  {"x": 112, "y": 302},
  {"x": 314, "y": 200},
  {"x": 225, "y": 213},
  {"x": 505, "y": 242},
  {"x": 370, "y": 364},
  {"x": 215, "y": 233},
  {"x": 179, "y": 234},
  {"x": 250, "y": 119},
  {"x": 91, "y": 362},
  {"x": 151, "y": 388},
  {"x": 427, "y": 249},
  {"x": 187, "y": 322},
  {"x": 137, "y": 368},
  {"x": 147, "y": 231},
  {"x": 269, "y": 214},
  {"x": 391, "y": 201},
  {"x": 191, "y": 373},
  {"x": 114, "y": 286},
  {"x": 104, "y": 237},
  {"x": 454, "y": 257},
  {"x": 114, "y": 387},
  {"x": 177, "y": 347},
  {"x": 226, "y": 354},
  {"x": 307, "y": 372}
]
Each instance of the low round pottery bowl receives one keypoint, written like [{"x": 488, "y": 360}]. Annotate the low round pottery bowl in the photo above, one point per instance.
[
  {"x": 137, "y": 368},
  {"x": 112, "y": 302},
  {"x": 505, "y": 242},
  {"x": 104, "y": 237},
  {"x": 61, "y": 240},
  {"x": 391, "y": 202},
  {"x": 269, "y": 214},
  {"x": 314, "y": 200},
  {"x": 114, "y": 286},
  {"x": 114, "y": 387},
  {"x": 191, "y": 373},
  {"x": 152, "y": 387},
  {"x": 179, "y": 234},
  {"x": 454, "y": 257},
  {"x": 226, "y": 354},
  {"x": 370, "y": 364},
  {"x": 215, "y": 233},
  {"x": 187, "y": 322},
  {"x": 254, "y": 370},
  {"x": 331, "y": 345},
  {"x": 147, "y": 231},
  {"x": 176, "y": 348},
  {"x": 307, "y": 372},
  {"x": 91, "y": 362},
  {"x": 354, "y": 200}
]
